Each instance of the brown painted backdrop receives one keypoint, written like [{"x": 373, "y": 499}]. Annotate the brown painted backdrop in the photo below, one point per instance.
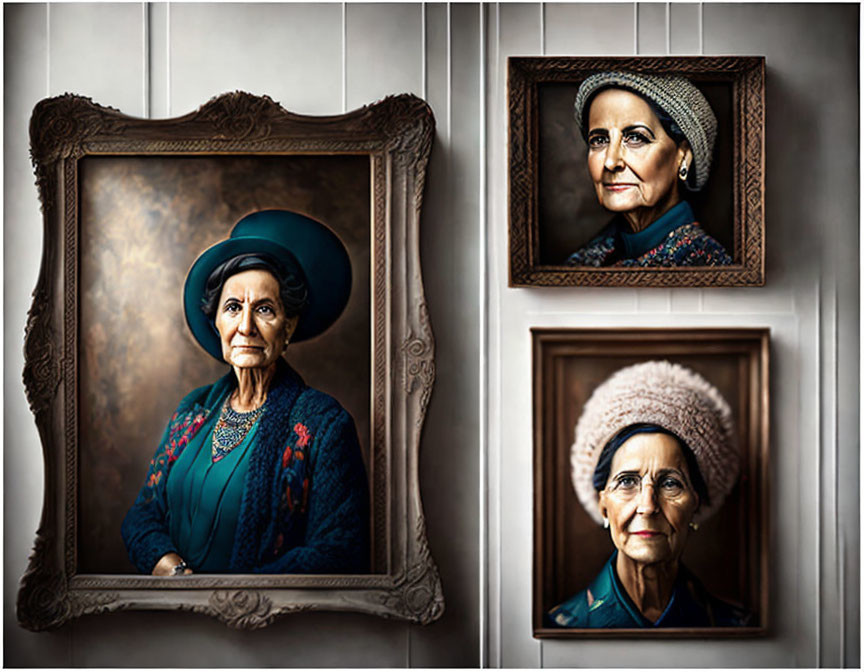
[
  {"x": 144, "y": 220},
  {"x": 569, "y": 212}
]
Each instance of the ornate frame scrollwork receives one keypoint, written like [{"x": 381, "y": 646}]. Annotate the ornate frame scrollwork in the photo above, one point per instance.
[
  {"x": 396, "y": 133},
  {"x": 744, "y": 75}
]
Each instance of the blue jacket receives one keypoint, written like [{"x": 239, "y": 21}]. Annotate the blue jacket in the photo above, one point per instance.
[
  {"x": 305, "y": 503},
  {"x": 605, "y": 604}
]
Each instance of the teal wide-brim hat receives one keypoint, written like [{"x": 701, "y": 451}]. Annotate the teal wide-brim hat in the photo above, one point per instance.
[{"x": 292, "y": 238}]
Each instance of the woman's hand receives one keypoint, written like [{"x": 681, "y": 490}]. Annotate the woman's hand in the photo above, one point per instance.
[{"x": 166, "y": 565}]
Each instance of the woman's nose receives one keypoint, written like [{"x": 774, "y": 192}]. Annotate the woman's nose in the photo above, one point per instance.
[
  {"x": 613, "y": 159},
  {"x": 247, "y": 324},
  {"x": 647, "y": 499}
]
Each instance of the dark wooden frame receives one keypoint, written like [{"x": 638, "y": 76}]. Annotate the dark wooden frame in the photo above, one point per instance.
[
  {"x": 747, "y": 77},
  {"x": 397, "y": 135},
  {"x": 550, "y": 346}
]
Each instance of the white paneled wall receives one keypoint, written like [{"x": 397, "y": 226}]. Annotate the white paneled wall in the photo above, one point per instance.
[
  {"x": 810, "y": 303},
  {"x": 166, "y": 59}
]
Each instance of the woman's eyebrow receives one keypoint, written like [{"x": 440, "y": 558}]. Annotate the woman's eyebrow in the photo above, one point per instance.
[{"x": 637, "y": 127}]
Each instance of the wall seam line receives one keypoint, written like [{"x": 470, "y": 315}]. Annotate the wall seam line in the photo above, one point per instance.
[
  {"x": 146, "y": 57},
  {"x": 668, "y": 29},
  {"x": 344, "y": 58},
  {"x": 449, "y": 88},
  {"x": 835, "y": 345},
  {"x": 542, "y": 28},
  {"x": 47, "y": 49},
  {"x": 484, "y": 349},
  {"x": 701, "y": 29},
  {"x": 168, "y": 59},
  {"x": 424, "y": 58},
  {"x": 499, "y": 545},
  {"x": 635, "y": 27},
  {"x": 820, "y": 423}
]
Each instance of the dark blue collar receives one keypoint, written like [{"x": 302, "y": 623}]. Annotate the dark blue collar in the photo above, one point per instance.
[{"x": 636, "y": 244}]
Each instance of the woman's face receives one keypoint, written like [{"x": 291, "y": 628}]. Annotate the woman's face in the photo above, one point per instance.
[
  {"x": 251, "y": 321},
  {"x": 649, "y": 499},
  {"x": 632, "y": 161}
]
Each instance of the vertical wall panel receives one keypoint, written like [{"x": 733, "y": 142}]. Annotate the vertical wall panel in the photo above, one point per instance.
[
  {"x": 510, "y": 436},
  {"x": 449, "y": 246},
  {"x": 25, "y": 63},
  {"x": 684, "y": 27},
  {"x": 651, "y": 28},
  {"x": 291, "y": 52},
  {"x": 97, "y": 50},
  {"x": 590, "y": 29},
  {"x": 159, "y": 58},
  {"x": 383, "y": 51}
]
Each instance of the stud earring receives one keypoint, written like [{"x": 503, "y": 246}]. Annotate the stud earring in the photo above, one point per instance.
[
  {"x": 694, "y": 526},
  {"x": 605, "y": 523},
  {"x": 682, "y": 171}
]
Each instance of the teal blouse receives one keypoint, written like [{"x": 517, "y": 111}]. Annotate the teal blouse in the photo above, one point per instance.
[{"x": 204, "y": 500}]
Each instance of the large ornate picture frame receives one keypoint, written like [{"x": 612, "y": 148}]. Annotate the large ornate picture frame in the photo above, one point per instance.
[
  {"x": 552, "y": 203},
  {"x": 128, "y": 203},
  {"x": 730, "y": 551}
]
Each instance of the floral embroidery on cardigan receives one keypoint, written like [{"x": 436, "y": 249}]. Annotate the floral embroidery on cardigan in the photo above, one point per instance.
[
  {"x": 181, "y": 430},
  {"x": 295, "y": 493}
]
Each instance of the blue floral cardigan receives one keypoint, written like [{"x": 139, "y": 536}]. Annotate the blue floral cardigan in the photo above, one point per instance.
[{"x": 305, "y": 503}]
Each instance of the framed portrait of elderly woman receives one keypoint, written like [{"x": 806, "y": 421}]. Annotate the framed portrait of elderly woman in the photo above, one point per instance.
[
  {"x": 229, "y": 361},
  {"x": 636, "y": 171},
  {"x": 651, "y": 463}
]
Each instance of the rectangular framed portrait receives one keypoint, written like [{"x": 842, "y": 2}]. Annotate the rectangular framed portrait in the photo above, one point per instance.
[
  {"x": 129, "y": 205},
  {"x": 651, "y": 460},
  {"x": 636, "y": 171}
]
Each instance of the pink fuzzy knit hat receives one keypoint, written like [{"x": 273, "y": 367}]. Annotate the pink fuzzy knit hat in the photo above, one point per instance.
[{"x": 664, "y": 394}]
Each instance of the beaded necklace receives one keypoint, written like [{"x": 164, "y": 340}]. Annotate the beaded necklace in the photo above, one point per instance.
[{"x": 231, "y": 428}]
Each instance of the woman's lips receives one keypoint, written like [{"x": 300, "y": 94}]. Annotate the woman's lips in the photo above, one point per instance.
[
  {"x": 646, "y": 533},
  {"x": 618, "y": 186}
]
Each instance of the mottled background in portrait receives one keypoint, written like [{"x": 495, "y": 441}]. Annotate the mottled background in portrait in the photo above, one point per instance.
[{"x": 144, "y": 220}]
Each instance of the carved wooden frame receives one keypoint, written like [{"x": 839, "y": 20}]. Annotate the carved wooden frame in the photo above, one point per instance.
[
  {"x": 396, "y": 133},
  {"x": 747, "y": 77},
  {"x": 550, "y": 347}
]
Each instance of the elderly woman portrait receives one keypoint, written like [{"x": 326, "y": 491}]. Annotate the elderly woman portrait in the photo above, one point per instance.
[
  {"x": 257, "y": 472},
  {"x": 650, "y": 142},
  {"x": 654, "y": 456}
]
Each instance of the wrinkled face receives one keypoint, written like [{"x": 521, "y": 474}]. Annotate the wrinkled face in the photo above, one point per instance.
[
  {"x": 251, "y": 321},
  {"x": 649, "y": 499},
  {"x": 632, "y": 161}
]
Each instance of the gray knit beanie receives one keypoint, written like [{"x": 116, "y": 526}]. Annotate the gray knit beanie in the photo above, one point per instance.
[
  {"x": 673, "y": 94},
  {"x": 664, "y": 394}
]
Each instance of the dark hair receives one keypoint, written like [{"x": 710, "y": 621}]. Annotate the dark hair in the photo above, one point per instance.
[
  {"x": 604, "y": 464},
  {"x": 673, "y": 130},
  {"x": 292, "y": 284}
]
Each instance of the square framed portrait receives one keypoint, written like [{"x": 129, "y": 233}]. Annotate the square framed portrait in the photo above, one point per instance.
[
  {"x": 651, "y": 462},
  {"x": 224, "y": 303},
  {"x": 636, "y": 171}
]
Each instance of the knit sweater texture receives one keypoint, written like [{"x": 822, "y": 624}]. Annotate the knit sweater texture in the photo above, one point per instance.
[
  {"x": 675, "y": 239},
  {"x": 305, "y": 502}
]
